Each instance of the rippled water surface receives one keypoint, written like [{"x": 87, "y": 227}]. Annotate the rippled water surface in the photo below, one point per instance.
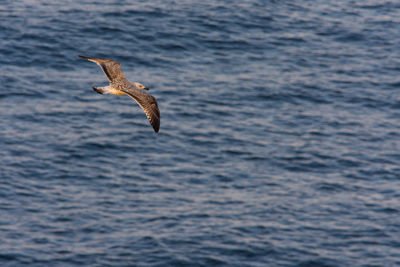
[{"x": 279, "y": 139}]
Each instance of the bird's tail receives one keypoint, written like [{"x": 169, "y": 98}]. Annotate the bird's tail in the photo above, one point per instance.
[
  {"x": 108, "y": 90},
  {"x": 99, "y": 90}
]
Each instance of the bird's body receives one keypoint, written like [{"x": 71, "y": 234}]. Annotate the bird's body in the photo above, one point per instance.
[{"x": 119, "y": 85}]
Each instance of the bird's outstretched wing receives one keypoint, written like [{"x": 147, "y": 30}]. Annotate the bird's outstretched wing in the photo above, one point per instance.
[
  {"x": 112, "y": 69},
  {"x": 148, "y": 103}
]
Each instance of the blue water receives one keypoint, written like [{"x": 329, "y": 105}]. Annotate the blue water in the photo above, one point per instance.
[{"x": 279, "y": 139}]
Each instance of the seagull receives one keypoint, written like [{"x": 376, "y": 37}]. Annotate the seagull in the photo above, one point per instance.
[{"x": 119, "y": 85}]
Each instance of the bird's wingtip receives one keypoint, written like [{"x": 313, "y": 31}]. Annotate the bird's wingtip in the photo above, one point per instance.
[{"x": 156, "y": 128}]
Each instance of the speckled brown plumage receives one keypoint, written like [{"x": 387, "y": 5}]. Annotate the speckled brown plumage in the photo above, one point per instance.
[{"x": 120, "y": 85}]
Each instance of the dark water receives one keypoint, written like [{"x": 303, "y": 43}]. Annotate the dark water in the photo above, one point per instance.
[{"x": 279, "y": 139}]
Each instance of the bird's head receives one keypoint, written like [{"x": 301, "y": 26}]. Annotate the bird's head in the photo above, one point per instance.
[{"x": 141, "y": 86}]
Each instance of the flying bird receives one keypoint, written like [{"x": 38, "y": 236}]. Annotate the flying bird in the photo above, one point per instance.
[{"x": 119, "y": 85}]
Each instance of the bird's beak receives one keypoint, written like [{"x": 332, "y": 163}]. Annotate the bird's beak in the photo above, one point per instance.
[{"x": 146, "y": 88}]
